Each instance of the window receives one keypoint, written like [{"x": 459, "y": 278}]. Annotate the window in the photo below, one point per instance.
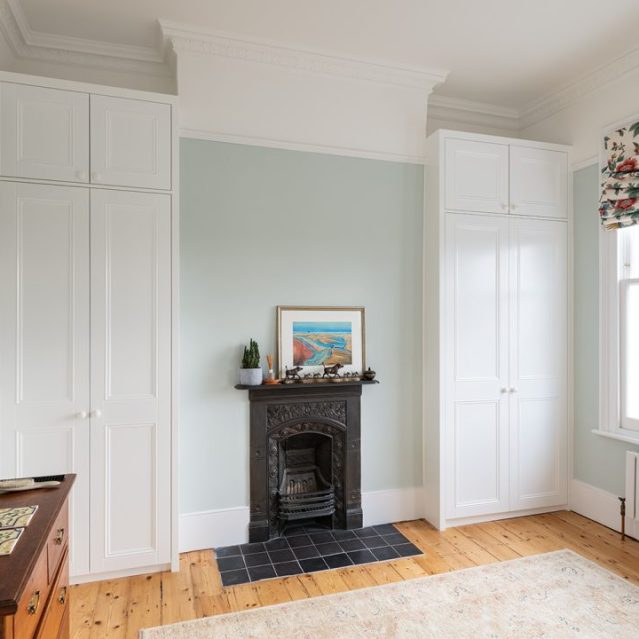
[{"x": 620, "y": 334}]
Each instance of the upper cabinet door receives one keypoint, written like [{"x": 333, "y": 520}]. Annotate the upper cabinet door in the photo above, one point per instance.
[
  {"x": 130, "y": 142},
  {"x": 45, "y": 133},
  {"x": 538, "y": 180},
  {"x": 476, "y": 176}
]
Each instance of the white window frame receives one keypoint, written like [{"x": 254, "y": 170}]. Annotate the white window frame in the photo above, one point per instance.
[{"x": 613, "y": 263}]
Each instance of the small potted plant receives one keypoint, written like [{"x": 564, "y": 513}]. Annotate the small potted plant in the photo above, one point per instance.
[{"x": 251, "y": 371}]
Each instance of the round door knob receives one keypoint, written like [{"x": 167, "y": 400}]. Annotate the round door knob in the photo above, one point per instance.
[
  {"x": 97, "y": 413},
  {"x": 81, "y": 175},
  {"x": 96, "y": 177},
  {"x": 503, "y": 389},
  {"x": 513, "y": 389},
  {"x": 83, "y": 414},
  {"x": 513, "y": 206},
  {"x": 503, "y": 205}
]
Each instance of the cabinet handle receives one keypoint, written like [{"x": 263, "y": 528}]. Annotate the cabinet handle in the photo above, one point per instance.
[
  {"x": 83, "y": 414},
  {"x": 59, "y": 537},
  {"x": 503, "y": 205},
  {"x": 62, "y": 598},
  {"x": 513, "y": 389},
  {"x": 503, "y": 389},
  {"x": 513, "y": 206},
  {"x": 81, "y": 175},
  {"x": 96, "y": 177},
  {"x": 34, "y": 602},
  {"x": 97, "y": 413}
]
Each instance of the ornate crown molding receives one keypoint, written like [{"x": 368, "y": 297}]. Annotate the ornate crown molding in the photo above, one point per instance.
[
  {"x": 34, "y": 45},
  {"x": 187, "y": 39},
  {"x": 476, "y": 114}
]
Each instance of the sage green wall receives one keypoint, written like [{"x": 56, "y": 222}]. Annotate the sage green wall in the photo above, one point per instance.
[
  {"x": 598, "y": 461},
  {"x": 261, "y": 227}
]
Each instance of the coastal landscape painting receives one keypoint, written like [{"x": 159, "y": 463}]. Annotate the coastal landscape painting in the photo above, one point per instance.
[
  {"x": 314, "y": 337},
  {"x": 322, "y": 343}
]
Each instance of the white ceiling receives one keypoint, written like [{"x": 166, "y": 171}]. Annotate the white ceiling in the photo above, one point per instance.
[{"x": 502, "y": 52}]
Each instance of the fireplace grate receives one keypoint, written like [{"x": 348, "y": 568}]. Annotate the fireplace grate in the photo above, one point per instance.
[{"x": 305, "y": 494}]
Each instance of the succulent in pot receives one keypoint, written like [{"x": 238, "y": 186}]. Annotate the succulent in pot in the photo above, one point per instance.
[{"x": 251, "y": 371}]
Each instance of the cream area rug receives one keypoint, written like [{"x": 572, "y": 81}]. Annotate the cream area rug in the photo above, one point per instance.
[{"x": 549, "y": 596}]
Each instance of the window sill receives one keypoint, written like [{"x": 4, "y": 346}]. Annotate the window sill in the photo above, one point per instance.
[{"x": 629, "y": 439}]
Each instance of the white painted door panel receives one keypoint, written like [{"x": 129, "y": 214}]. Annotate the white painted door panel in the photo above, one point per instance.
[
  {"x": 130, "y": 142},
  {"x": 538, "y": 182},
  {"x": 44, "y": 341},
  {"x": 44, "y": 132},
  {"x": 131, "y": 379},
  {"x": 476, "y": 176},
  {"x": 476, "y": 361},
  {"x": 538, "y": 369}
]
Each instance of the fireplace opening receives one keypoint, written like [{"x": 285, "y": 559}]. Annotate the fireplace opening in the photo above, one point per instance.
[{"x": 306, "y": 491}]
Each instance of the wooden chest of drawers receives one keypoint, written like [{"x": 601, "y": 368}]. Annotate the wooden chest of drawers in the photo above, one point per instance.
[{"x": 34, "y": 578}]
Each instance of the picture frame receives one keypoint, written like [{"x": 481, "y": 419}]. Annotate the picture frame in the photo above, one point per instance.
[{"x": 316, "y": 336}]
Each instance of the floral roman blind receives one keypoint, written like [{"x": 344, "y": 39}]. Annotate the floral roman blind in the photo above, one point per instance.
[{"x": 619, "y": 202}]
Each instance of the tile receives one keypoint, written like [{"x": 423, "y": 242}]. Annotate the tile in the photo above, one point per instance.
[
  {"x": 407, "y": 550},
  {"x": 261, "y": 572},
  {"x": 384, "y": 553},
  {"x": 352, "y": 544},
  {"x": 287, "y": 568},
  {"x": 277, "y": 544},
  {"x": 299, "y": 540},
  {"x": 251, "y": 549},
  {"x": 321, "y": 537},
  {"x": 361, "y": 556},
  {"x": 342, "y": 535},
  {"x": 306, "y": 552},
  {"x": 313, "y": 565},
  {"x": 258, "y": 559},
  {"x": 365, "y": 532},
  {"x": 374, "y": 542},
  {"x": 227, "y": 551},
  {"x": 331, "y": 548},
  {"x": 395, "y": 539},
  {"x": 338, "y": 561},
  {"x": 235, "y": 577},
  {"x": 230, "y": 563},
  {"x": 385, "y": 529},
  {"x": 278, "y": 556}
]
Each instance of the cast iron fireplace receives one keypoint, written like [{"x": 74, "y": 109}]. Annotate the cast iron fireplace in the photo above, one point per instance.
[{"x": 305, "y": 458}]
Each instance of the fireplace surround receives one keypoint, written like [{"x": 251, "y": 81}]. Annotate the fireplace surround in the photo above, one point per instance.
[{"x": 305, "y": 457}]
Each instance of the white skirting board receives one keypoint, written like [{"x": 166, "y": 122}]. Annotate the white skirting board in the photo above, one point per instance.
[
  {"x": 229, "y": 526},
  {"x": 596, "y": 504}
]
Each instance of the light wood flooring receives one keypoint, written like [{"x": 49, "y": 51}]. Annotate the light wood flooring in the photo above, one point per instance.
[{"x": 119, "y": 608}]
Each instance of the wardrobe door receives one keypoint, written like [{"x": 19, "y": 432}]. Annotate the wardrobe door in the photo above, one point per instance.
[
  {"x": 538, "y": 369},
  {"x": 538, "y": 182},
  {"x": 476, "y": 176},
  {"x": 44, "y": 342},
  {"x": 130, "y": 142},
  {"x": 44, "y": 132},
  {"x": 131, "y": 379},
  {"x": 476, "y": 361}
]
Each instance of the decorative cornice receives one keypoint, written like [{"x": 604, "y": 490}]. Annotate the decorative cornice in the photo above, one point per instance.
[
  {"x": 28, "y": 44},
  {"x": 476, "y": 114},
  {"x": 188, "y": 39},
  {"x": 564, "y": 97}
]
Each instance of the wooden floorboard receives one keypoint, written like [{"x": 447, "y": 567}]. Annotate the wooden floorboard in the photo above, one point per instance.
[{"x": 120, "y": 608}]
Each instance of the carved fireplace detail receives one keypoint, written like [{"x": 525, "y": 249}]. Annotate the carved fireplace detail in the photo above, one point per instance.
[{"x": 305, "y": 457}]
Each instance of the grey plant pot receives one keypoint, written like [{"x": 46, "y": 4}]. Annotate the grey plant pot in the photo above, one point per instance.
[{"x": 251, "y": 376}]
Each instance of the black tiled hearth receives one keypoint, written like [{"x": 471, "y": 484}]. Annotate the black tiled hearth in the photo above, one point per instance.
[{"x": 309, "y": 551}]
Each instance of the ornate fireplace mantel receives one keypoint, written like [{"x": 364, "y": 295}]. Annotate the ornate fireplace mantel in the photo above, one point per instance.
[{"x": 279, "y": 412}]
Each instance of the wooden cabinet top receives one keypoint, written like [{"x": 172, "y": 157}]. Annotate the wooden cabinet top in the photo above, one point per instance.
[{"x": 16, "y": 568}]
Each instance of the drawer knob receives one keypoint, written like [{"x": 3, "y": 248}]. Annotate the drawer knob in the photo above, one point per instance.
[
  {"x": 62, "y": 598},
  {"x": 59, "y": 536},
  {"x": 34, "y": 602}
]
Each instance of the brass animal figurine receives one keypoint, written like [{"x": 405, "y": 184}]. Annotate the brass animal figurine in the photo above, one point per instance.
[
  {"x": 293, "y": 373},
  {"x": 332, "y": 371}
]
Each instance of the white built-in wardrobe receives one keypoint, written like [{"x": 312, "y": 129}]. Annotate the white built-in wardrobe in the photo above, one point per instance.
[
  {"x": 88, "y": 189},
  {"x": 496, "y": 331}
]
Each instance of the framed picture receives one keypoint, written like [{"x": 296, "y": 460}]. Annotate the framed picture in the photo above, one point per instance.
[{"x": 314, "y": 337}]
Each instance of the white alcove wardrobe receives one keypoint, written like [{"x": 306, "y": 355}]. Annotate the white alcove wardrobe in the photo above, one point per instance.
[
  {"x": 496, "y": 333},
  {"x": 88, "y": 299}
]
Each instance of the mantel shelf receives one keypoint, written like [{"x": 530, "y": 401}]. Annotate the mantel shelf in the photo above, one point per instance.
[{"x": 284, "y": 387}]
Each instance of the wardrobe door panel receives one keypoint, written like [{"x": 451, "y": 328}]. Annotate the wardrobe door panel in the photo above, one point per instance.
[
  {"x": 130, "y": 142},
  {"x": 44, "y": 132},
  {"x": 476, "y": 176},
  {"x": 131, "y": 379},
  {"x": 538, "y": 366},
  {"x": 44, "y": 341},
  {"x": 476, "y": 351}
]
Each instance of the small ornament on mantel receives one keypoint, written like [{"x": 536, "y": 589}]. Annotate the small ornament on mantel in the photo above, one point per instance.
[
  {"x": 270, "y": 378},
  {"x": 369, "y": 375}
]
